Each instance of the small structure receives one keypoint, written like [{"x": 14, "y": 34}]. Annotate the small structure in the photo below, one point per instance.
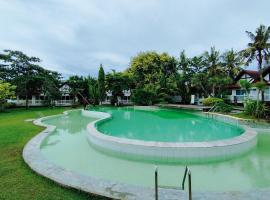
[
  {"x": 238, "y": 95},
  {"x": 125, "y": 99},
  {"x": 40, "y": 99}
]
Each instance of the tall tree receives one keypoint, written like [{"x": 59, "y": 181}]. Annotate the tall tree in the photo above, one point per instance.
[
  {"x": 116, "y": 82},
  {"x": 184, "y": 84},
  {"x": 259, "y": 49},
  {"x": 77, "y": 87},
  {"x": 155, "y": 73},
  {"x": 101, "y": 83},
  {"x": 6, "y": 91},
  {"x": 93, "y": 91},
  {"x": 232, "y": 62},
  {"x": 215, "y": 70},
  {"x": 51, "y": 85},
  {"x": 25, "y": 73}
]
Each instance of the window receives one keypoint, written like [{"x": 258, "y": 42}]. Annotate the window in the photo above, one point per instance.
[{"x": 240, "y": 92}]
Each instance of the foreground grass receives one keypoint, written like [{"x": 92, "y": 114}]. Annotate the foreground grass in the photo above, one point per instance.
[
  {"x": 17, "y": 180},
  {"x": 243, "y": 115}
]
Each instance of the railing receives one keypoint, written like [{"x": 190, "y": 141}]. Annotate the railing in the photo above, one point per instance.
[
  {"x": 187, "y": 172},
  {"x": 64, "y": 102}
]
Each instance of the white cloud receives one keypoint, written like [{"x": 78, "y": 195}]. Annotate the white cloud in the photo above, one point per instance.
[{"x": 74, "y": 37}]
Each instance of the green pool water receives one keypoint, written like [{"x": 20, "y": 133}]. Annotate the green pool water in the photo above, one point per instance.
[
  {"x": 164, "y": 125},
  {"x": 68, "y": 147}
]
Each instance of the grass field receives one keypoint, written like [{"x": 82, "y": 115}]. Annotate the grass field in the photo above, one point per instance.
[{"x": 17, "y": 180}]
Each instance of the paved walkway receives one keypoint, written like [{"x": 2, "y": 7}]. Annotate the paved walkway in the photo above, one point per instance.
[{"x": 194, "y": 107}]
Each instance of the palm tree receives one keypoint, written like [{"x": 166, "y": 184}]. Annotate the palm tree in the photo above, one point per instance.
[
  {"x": 211, "y": 61},
  {"x": 244, "y": 84},
  {"x": 184, "y": 66},
  {"x": 259, "y": 46},
  {"x": 260, "y": 87},
  {"x": 232, "y": 62},
  {"x": 259, "y": 49}
]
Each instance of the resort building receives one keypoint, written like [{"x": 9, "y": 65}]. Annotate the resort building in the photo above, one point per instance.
[
  {"x": 40, "y": 99},
  {"x": 125, "y": 99},
  {"x": 238, "y": 94}
]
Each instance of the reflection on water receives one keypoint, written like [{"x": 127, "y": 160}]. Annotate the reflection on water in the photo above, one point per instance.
[
  {"x": 165, "y": 125},
  {"x": 67, "y": 146}
]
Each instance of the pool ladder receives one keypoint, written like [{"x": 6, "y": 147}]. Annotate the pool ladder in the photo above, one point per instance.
[{"x": 187, "y": 173}]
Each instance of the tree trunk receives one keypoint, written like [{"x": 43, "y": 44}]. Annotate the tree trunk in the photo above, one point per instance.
[
  {"x": 26, "y": 102},
  {"x": 258, "y": 101}
]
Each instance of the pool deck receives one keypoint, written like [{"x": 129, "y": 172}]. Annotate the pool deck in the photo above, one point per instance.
[
  {"x": 37, "y": 162},
  {"x": 184, "y": 106}
]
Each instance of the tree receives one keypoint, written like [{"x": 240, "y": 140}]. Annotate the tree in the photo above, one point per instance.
[
  {"x": 93, "y": 91},
  {"x": 259, "y": 49},
  {"x": 116, "y": 82},
  {"x": 260, "y": 87},
  {"x": 184, "y": 84},
  {"x": 214, "y": 71},
  {"x": 155, "y": 73},
  {"x": 232, "y": 62},
  {"x": 245, "y": 85},
  {"x": 101, "y": 84},
  {"x": 77, "y": 87},
  {"x": 51, "y": 85},
  {"x": 259, "y": 46},
  {"x": 6, "y": 91},
  {"x": 24, "y": 73}
]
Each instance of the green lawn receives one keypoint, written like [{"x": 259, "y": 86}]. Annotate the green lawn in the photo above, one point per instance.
[
  {"x": 17, "y": 180},
  {"x": 243, "y": 115}
]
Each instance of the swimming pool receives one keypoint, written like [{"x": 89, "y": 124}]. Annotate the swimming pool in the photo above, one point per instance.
[
  {"x": 164, "y": 125},
  {"x": 67, "y": 146}
]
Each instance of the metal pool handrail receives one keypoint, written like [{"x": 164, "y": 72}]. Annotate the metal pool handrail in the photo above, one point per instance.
[{"x": 187, "y": 172}]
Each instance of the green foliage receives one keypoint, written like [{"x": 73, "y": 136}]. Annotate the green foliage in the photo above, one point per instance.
[
  {"x": 258, "y": 48},
  {"x": 232, "y": 62},
  {"x": 78, "y": 87},
  {"x": 143, "y": 97},
  {"x": 260, "y": 85},
  {"x": 116, "y": 82},
  {"x": 223, "y": 107},
  {"x": 101, "y": 83},
  {"x": 154, "y": 73},
  {"x": 93, "y": 91},
  {"x": 18, "y": 181},
  {"x": 260, "y": 110},
  {"x": 244, "y": 84},
  {"x": 210, "y": 101},
  {"x": 30, "y": 78},
  {"x": 6, "y": 91}
]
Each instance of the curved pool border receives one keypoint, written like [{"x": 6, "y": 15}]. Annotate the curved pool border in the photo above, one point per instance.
[
  {"x": 67, "y": 178},
  {"x": 116, "y": 190},
  {"x": 169, "y": 151}
]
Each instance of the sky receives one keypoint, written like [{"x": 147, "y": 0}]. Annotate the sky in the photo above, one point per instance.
[{"x": 76, "y": 36}]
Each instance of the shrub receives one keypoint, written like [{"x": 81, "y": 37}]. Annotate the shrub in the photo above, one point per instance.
[
  {"x": 223, "y": 107},
  {"x": 142, "y": 97},
  {"x": 210, "y": 101},
  {"x": 251, "y": 109}
]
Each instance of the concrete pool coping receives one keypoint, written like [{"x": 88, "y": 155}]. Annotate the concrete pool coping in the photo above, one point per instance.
[
  {"x": 169, "y": 151},
  {"x": 37, "y": 162}
]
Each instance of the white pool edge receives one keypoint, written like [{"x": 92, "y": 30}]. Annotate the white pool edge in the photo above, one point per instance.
[
  {"x": 34, "y": 158},
  {"x": 169, "y": 150},
  {"x": 38, "y": 163}
]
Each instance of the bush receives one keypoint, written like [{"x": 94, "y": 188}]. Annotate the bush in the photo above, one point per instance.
[
  {"x": 223, "y": 107},
  {"x": 143, "y": 97},
  {"x": 251, "y": 109},
  {"x": 210, "y": 101}
]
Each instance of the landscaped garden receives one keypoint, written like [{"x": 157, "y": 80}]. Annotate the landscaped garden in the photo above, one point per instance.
[
  {"x": 138, "y": 146},
  {"x": 18, "y": 181}
]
